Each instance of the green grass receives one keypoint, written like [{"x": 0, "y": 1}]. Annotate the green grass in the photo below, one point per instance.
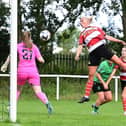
[{"x": 67, "y": 113}]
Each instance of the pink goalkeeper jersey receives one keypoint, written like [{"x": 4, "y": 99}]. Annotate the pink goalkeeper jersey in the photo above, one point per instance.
[{"x": 27, "y": 58}]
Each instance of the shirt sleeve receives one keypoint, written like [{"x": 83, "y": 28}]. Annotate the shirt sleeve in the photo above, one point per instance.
[
  {"x": 116, "y": 66},
  {"x": 81, "y": 39},
  {"x": 100, "y": 68}
]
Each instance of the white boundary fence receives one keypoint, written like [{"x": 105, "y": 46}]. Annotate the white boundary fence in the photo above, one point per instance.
[{"x": 58, "y": 76}]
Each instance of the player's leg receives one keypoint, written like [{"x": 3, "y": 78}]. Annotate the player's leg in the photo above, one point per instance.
[
  {"x": 19, "y": 89},
  {"x": 40, "y": 95},
  {"x": 94, "y": 60},
  {"x": 108, "y": 97},
  {"x": 34, "y": 80},
  {"x": 103, "y": 97},
  {"x": 99, "y": 89},
  {"x": 89, "y": 84},
  {"x": 100, "y": 99},
  {"x": 43, "y": 98},
  {"x": 21, "y": 80},
  {"x": 123, "y": 86},
  {"x": 124, "y": 100},
  {"x": 118, "y": 61},
  {"x": 108, "y": 54}
]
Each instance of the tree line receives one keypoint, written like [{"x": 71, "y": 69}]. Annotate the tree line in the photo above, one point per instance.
[{"x": 37, "y": 15}]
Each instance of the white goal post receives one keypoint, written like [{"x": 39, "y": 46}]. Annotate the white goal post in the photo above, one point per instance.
[{"x": 13, "y": 61}]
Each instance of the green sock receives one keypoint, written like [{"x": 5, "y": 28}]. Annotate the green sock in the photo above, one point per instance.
[{"x": 96, "y": 108}]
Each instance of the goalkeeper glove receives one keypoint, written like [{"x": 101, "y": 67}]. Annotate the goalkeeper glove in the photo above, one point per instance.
[{"x": 4, "y": 68}]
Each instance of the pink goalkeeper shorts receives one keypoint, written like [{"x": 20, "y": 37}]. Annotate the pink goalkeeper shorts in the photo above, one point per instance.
[{"x": 30, "y": 77}]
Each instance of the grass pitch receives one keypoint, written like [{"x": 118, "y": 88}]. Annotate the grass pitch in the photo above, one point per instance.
[{"x": 67, "y": 113}]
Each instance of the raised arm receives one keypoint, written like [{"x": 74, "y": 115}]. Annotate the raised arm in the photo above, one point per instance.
[
  {"x": 5, "y": 65},
  {"x": 115, "y": 40}
]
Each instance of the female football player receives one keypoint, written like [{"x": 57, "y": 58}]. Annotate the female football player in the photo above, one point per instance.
[
  {"x": 27, "y": 70},
  {"x": 104, "y": 74},
  {"x": 123, "y": 79}
]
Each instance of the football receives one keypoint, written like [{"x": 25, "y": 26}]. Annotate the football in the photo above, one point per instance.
[{"x": 45, "y": 35}]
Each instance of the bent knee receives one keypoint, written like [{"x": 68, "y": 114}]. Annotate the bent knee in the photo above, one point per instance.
[{"x": 109, "y": 99}]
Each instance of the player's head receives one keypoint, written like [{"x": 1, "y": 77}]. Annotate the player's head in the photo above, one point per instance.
[
  {"x": 85, "y": 21},
  {"x": 26, "y": 38},
  {"x": 26, "y": 35},
  {"x": 123, "y": 52}
]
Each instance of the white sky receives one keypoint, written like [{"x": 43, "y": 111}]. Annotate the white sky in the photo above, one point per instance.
[{"x": 7, "y": 1}]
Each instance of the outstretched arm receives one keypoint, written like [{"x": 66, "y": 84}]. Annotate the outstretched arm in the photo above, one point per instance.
[
  {"x": 115, "y": 40},
  {"x": 5, "y": 65}
]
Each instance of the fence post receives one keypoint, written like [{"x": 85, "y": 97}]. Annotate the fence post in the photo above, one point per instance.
[
  {"x": 116, "y": 89},
  {"x": 57, "y": 87}
]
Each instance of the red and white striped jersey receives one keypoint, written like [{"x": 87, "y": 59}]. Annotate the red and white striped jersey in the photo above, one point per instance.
[
  {"x": 122, "y": 72},
  {"x": 92, "y": 37}
]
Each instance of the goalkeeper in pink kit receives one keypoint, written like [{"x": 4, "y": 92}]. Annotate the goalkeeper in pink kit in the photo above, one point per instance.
[{"x": 27, "y": 70}]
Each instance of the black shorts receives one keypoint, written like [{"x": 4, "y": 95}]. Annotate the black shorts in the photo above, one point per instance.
[
  {"x": 98, "y": 87},
  {"x": 100, "y": 52},
  {"x": 123, "y": 84}
]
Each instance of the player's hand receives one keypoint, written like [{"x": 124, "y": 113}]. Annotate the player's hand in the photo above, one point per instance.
[
  {"x": 77, "y": 58},
  {"x": 3, "y": 68},
  {"x": 43, "y": 61},
  {"x": 105, "y": 86}
]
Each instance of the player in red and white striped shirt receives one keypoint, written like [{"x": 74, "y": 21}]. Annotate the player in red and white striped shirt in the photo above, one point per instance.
[
  {"x": 94, "y": 38},
  {"x": 123, "y": 79}
]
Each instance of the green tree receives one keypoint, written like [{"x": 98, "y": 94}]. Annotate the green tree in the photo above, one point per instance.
[
  {"x": 116, "y": 7},
  {"x": 41, "y": 15},
  {"x": 4, "y": 34},
  {"x": 123, "y": 3},
  {"x": 68, "y": 38},
  {"x": 111, "y": 9}
]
